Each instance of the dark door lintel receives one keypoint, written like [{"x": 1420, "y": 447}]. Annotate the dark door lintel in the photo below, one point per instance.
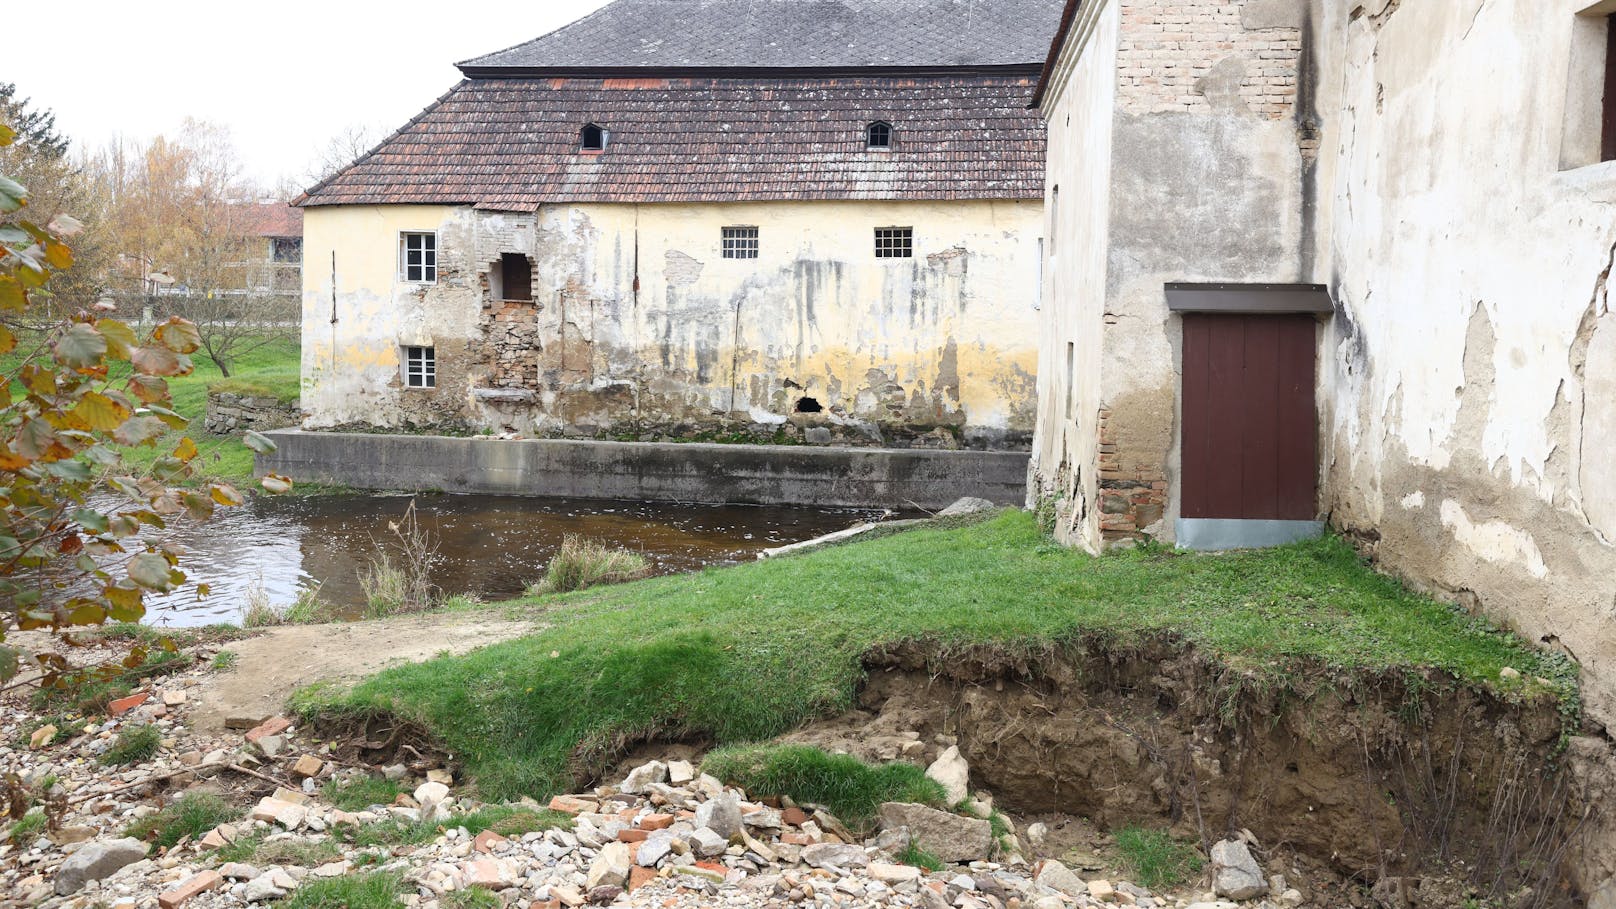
[{"x": 1269, "y": 299}]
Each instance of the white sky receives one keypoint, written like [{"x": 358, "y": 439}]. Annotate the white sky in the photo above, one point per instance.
[{"x": 284, "y": 75}]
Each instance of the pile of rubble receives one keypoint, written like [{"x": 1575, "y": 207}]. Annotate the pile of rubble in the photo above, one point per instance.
[{"x": 666, "y": 836}]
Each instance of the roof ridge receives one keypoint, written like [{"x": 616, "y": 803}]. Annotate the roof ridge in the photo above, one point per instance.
[{"x": 304, "y": 197}]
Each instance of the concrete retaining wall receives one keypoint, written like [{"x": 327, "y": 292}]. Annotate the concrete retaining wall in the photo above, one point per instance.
[{"x": 689, "y": 472}]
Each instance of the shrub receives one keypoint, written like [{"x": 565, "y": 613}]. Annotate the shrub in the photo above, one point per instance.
[
  {"x": 1156, "y": 859},
  {"x": 582, "y": 562},
  {"x": 192, "y": 816},
  {"x": 399, "y": 578},
  {"x": 136, "y": 743},
  {"x": 850, "y": 788},
  {"x": 258, "y": 612}
]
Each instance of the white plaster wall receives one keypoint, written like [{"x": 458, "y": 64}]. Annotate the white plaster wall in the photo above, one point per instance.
[
  {"x": 1476, "y": 349},
  {"x": 1078, "y": 110},
  {"x": 1472, "y": 364},
  {"x": 640, "y": 318},
  {"x": 353, "y": 334}
]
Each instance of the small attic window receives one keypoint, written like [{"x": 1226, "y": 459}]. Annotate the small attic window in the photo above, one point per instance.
[
  {"x": 878, "y": 135},
  {"x": 594, "y": 138}
]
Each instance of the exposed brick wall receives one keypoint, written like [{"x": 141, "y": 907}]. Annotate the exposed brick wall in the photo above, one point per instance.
[
  {"x": 1133, "y": 486},
  {"x": 1169, "y": 46}
]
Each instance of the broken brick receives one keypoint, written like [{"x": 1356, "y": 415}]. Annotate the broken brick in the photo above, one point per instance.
[
  {"x": 275, "y": 725},
  {"x": 122, "y": 706},
  {"x": 196, "y": 883}
]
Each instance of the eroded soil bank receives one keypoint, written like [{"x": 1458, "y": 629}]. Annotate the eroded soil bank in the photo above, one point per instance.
[{"x": 1396, "y": 782}]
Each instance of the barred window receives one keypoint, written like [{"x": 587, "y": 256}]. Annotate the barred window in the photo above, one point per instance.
[
  {"x": 894, "y": 242},
  {"x": 879, "y": 135},
  {"x": 740, "y": 243},
  {"x": 418, "y": 252},
  {"x": 420, "y": 367}
]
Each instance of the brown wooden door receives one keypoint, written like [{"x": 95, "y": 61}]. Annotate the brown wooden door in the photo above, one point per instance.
[{"x": 1250, "y": 447}]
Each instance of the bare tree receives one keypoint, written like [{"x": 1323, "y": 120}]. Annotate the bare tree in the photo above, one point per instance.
[
  {"x": 341, "y": 150},
  {"x": 184, "y": 220}
]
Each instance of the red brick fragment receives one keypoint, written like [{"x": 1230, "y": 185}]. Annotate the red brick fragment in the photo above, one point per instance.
[
  {"x": 196, "y": 883},
  {"x": 796, "y": 817},
  {"x": 123, "y": 705},
  {"x": 275, "y": 725},
  {"x": 638, "y": 877},
  {"x": 486, "y": 841},
  {"x": 656, "y": 822},
  {"x": 631, "y": 835}
]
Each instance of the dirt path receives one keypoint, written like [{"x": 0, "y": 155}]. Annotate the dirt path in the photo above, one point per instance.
[{"x": 271, "y": 665}]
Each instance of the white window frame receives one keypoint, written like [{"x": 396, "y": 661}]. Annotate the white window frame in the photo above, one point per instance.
[
  {"x": 428, "y": 248},
  {"x": 420, "y": 367},
  {"x": 894, "y": 242},
  {"x": 740, "y": 242}
]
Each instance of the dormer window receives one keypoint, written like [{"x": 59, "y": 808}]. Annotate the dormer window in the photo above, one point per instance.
[
  {"x": 878, "y": 135},
  {"x": 594, "y": 138}
]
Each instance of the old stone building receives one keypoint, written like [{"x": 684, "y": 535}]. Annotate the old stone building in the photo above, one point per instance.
[
  {"x": 1347, "y": 262},
  {"x": 695, "y": 218}
]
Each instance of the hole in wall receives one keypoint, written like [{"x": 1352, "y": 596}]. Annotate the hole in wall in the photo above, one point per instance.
[{"x": 809, "y": 405}]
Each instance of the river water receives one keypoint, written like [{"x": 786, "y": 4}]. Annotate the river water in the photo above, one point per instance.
[{"x": 491, "y": 546}]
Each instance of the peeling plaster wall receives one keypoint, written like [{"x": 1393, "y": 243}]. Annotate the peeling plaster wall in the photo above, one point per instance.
[
  {"x": 639, "y": 326},
  {"x": 1473, "y": 356},
  {"x": 354, "y": 333},
  {"x": 1064, "y": 470},
  {"x": 1209, "y": 157}
]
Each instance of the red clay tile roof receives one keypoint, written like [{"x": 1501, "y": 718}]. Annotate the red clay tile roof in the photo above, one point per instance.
[
  {"x": 513, "y": 144},
  {"x": 270, "y": 219}
]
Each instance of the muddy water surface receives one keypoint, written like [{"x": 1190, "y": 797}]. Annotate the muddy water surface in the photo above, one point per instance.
[{"x": 491, "y": 546}]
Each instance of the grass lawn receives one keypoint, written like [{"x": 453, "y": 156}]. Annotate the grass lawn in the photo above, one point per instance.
[
  {"x": 745, "y": 653},
  {"x": 270, "y": 370}
]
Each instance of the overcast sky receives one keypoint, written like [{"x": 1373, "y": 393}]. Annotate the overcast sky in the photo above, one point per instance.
[{"x": 283, "y": 76}]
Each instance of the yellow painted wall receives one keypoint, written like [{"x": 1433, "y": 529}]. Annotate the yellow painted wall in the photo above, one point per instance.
[{"x": 889, "y": 346}]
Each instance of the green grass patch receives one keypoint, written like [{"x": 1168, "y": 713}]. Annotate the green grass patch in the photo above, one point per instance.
[
  {"x": 154, "y": 636},
  {"x": 582, "y": 563},
  {"x": 373, "y": 890},
  {"x": 28, "y": 828},
  {"x": 912, "y": 854},
  {"x": 361, "y": 792},
  {"x": 225, "y": 660},
  {"x": 192, "y": 816},
  {"x": 92, "y": 697},
  {"x": 745, "y": 653},
  {"x": 505, "y": 820},
  {"x": 850, "y": 788},
  {"x": 136, "y": 743},
  {"x": 66, "y": 727},
  {"x": 302, "y": 853},
  {"x": 511, "y": 820},
  {"x": 475, "y": 898},
  {"x": 1156, "y": 860}
]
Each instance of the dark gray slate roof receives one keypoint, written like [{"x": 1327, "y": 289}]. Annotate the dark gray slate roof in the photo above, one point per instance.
[{"x": 819, "y": 34}]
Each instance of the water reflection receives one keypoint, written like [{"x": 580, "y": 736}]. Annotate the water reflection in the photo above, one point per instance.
[{"x": 491, "y": 546}]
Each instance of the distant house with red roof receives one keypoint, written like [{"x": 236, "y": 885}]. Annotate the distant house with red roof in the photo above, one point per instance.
[{"x": 276, "y": 266}]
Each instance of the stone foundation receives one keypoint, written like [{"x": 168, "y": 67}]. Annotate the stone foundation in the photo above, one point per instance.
[{"x": 228, "y": 414}]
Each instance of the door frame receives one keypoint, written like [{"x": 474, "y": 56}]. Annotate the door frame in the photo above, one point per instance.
[{"x": 1257, "y": 300}]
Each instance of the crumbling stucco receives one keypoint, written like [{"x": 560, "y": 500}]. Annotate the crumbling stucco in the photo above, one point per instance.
[{"x": 640, "y": 328}]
